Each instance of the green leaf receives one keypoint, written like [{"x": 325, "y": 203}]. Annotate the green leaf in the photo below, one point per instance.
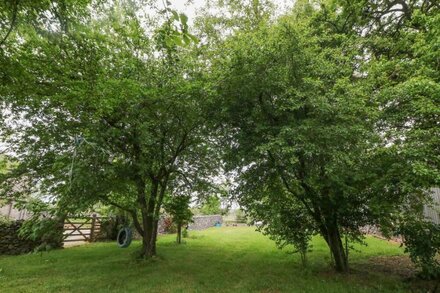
[
  {"x": 186, "y": 39},
  {"x": 177, "y": 40},
  {"x": 175, "y": 14},
  {"x": 193, "y": 38},
  {"x": 183, "y": 19}
]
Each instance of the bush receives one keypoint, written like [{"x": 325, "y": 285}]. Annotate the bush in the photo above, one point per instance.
[
  {"x": 169, "y": 226},
  {"x": 185, "y": 233},
  {"x": 46, "y": 232},
  {"x": 422, "y": 242},
  {"x": 4, "y": 220}
]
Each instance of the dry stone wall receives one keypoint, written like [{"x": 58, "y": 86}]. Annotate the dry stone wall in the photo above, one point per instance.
[
  {"x": 199, "y": 223},
  {"x": 12, "y": 244},
  {"x": 204, "y": 222}
]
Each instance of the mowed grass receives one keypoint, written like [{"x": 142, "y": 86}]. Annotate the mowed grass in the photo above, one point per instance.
[{"x": 228, "y": 259}]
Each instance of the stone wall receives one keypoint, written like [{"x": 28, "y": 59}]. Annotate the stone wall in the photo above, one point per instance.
[
  {"x": 200, "y": 223},
  {"x": 375, "y": 231},
  {"x": 204, "y": 222},
  {"x": 160, "y": 228},
  {"x": 12, "y": 244}
]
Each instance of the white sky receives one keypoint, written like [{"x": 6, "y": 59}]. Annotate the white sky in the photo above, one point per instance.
[{"x": 190, "y": 7}]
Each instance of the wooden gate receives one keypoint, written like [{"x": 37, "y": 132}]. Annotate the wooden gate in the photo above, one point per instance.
[{"x": 82, "y": 229}]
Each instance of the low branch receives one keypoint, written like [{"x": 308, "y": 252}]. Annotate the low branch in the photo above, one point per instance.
[
  {"x": 132, "y": 212},
  {"x": 13, "y": 21},
  {"x": 289, "y": 189}
]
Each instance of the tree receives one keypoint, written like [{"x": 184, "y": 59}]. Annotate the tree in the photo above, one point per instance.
[
  {"x": 178, "y": 208},
  {"x": 211, "y": 206},
  {"x": 301, "y": 109},
  {"x": 282, "y": 217},
  {"x": 401, "y": 53},
  {"x": 3, "y": 165},
  {"x": 308, "y": 105},
  {"x": 15, "y": 13},
  {"x": 112, "y": 113},
  {"x": 303, "y": 116}
]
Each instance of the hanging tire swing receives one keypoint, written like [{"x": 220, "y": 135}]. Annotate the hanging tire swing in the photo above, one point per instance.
[{"x": 124, "y": 237}]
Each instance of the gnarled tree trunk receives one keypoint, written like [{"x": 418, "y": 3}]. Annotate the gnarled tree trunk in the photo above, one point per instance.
[
  {"x": 333, "y": 238},
  {"x": 148, "y": 221}
]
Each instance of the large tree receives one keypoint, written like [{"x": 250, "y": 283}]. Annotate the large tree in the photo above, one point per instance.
[
  {"x": 304, "y": 110},
  {"x": 110, "y": 111}
]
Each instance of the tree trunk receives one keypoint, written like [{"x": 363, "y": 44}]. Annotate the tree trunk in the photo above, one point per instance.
[
  {"x": 333, "y": 238},
  {"x": 154, "y": 239},
  {"x": 150, "y": 214},
  {"x": 148, "y": 238},
  {"x": 148, "y": 221},
  {"x": 160, "y": 192},
  {"x": 179, "y": 233}
]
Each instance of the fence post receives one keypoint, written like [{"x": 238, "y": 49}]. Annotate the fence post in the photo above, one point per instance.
[{"x": 92, "y": 229}]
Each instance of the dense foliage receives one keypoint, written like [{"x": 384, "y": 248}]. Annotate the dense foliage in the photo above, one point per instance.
[
  {"x": 211, "y": 206},
  {"x": 316, "y": 109},
  {"x": 112, "y": 113},
  {"x": 422, "y": 242},
  {"x": 324, "y": 118}
]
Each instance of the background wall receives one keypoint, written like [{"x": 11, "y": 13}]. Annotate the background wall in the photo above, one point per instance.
[
  {"x": 11, "y": 243},
  {"x": 433, "y": 212},
  {"x": 12, "y": 213},
  {"x": 204, "y": 222}
]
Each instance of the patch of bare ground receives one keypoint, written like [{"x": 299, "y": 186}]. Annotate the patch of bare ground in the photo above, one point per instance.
[
  {"x": 390, "y": 267},
  {"x": 399, "y": 267}
]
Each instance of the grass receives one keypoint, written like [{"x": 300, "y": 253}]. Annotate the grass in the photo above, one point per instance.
[{"x": 229, "y": 259}]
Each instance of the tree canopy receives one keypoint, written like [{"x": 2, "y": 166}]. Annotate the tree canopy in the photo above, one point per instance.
[
  {"x": 107, "y": 112},
  {"x": 325, "y": 116},
  {"x": 318, "y": 115}
]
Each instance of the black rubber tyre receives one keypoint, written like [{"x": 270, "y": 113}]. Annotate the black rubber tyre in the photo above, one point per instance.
[{"x": 124, "y": 237}]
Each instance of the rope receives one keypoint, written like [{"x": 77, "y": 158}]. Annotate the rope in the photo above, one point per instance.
[{"x": 78, "y": 141}]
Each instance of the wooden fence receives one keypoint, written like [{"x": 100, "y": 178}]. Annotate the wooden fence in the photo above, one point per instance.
[{"x": 82, "y": 229}]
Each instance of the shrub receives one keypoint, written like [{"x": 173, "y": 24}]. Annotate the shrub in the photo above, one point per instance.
[
  {"x": 4, "y": 220},
  {"x": 47, "y": 232},
  {"x": 422, "y": 242},
  {"x": 169, "y": 226}
]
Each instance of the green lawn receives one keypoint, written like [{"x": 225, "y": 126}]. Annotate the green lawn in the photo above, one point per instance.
[{"x": 235, "y": 259}]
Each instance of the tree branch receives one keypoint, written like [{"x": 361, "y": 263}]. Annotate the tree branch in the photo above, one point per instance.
[
  {"x": 13, "y": 21},
  {"x": 132, "y": 212}
]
